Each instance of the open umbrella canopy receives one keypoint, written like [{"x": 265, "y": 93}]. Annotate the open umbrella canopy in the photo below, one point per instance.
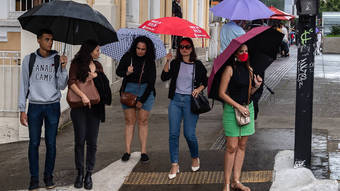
[
  {"x": 174, "y": 26},
  {"x": 280, "y": 15},
  {"x": 116, "y": 50},
  {"x": 282, "y": 18},
  {"x": 70, "y": 22},
  {"x": 262, "y": 42},
  {"x": 242, "y": 10}
]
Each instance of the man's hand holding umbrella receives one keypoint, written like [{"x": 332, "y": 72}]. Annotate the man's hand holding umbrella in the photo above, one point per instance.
[{"x": 63, "y": 61}]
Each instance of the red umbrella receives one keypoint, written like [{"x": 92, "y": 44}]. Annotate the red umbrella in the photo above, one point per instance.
[
  {"x": 174, "y": 26},
  {"x": 284, "y": 18},
  {"x": 262, "y": 45},
  {"x": 280, "y": 15}
]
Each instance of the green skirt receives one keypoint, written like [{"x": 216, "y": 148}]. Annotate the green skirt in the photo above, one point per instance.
[{"x": 231, "y": 128}]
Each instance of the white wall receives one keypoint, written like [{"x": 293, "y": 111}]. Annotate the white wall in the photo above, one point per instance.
[
  {"x": 4, "y": 9},
  {"x": 132, "y": 13},
  {"x": 154, "y": 9},
  {"x": 200, "y": 13},
  {"x": 190, "y": 10},
  {"x": 288, "y": 7}
]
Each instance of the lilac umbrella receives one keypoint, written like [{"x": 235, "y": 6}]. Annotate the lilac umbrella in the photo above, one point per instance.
[{"x": 242, "y": 10}]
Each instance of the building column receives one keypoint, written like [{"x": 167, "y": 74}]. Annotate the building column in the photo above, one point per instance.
[
  {"x": 111, "y": 10},
  {"x": 143, "y": 11},
  {"x": 123, "y": 14},
  {"x": 168, "y": 13},
  {"x": 190, "y": 11},
  {"x": 155, "y": 9},
  {"x": 132, "y": 13}
]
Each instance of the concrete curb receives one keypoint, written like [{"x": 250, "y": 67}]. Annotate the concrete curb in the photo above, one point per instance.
[
  {"x": 287, "y": 178},
  {"x": 110, "y": 178}
]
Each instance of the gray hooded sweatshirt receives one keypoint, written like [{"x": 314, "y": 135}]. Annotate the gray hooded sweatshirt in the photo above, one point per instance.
[{"x": 44, "y": 86}]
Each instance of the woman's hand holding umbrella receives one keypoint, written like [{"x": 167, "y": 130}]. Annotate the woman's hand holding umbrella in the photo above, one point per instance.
[
  {"x": 168, "y": 58},
  {"x": 257, "y": 80},
  {"x": 130, "y": 70}
]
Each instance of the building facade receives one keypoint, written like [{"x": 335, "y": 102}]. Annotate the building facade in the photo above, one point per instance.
[{"x": 15, "y": 43}]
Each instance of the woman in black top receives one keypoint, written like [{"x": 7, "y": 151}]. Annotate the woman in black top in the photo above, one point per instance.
[
  {"x": 235, "y": 90},
  {"x": 138, "y": 69},
  {"x": 180, "y": 92}
]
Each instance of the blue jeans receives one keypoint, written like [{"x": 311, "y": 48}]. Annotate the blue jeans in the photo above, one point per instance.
[
  {"x": 179, "y": 108},
  {"x": 37, "y": 114}
]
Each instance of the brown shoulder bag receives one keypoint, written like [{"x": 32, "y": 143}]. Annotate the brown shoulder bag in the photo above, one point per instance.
[
  {"x": 88, "y": 88},
  {"x": 128, "y": 98}
]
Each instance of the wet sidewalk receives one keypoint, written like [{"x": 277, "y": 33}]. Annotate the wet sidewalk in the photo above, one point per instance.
[{"x": 274, "y": 132}]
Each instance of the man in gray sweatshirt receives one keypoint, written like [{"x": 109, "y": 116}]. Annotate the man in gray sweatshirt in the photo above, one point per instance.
[{"x": 42, "y": 88}]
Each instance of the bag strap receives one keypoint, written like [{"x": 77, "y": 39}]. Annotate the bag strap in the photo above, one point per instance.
[
  {"x": 193, "y": 76},
  {"x": 31, "y": 64},
  {"x": 249, "y": 87},
  {"x": 141, "y": 74},
  {"x": 30, "y": 69}
]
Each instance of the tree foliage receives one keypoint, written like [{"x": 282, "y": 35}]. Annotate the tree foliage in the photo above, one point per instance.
[
  {"x": 335, "y": 30},
  {"x": 276, "y": 3},
  {"x": 329, "y": 5}
]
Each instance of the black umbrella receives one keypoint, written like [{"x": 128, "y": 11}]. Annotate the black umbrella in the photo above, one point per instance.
[{"x": 70, "y": 22}]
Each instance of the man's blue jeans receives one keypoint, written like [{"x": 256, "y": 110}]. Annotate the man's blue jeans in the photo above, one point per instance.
[
  {"x": 179, "y": 109},
  {"x": 37, "y": 114}
]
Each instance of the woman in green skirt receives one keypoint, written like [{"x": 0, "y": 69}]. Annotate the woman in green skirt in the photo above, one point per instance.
[{"x": 237, "y": 84}]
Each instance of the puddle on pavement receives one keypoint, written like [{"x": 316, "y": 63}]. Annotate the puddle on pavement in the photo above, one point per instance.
[
  {"x": 334, "y": 157},
  {"x": 325, "y": 162},
  {"x": 319, "y": 161}
]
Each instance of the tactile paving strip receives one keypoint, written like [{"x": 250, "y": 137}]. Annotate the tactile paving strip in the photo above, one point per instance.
[{"x": 201, "y": 177}]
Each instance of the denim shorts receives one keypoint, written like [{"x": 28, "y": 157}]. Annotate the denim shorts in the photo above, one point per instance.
[{"x": 139, "y": 89}]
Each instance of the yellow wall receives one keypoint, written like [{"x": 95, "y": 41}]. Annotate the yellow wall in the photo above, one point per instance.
[
  {"x": 165, "y": 11},
  {"x": 13, "y": 43},
  {"x": 143, "y": 11}
]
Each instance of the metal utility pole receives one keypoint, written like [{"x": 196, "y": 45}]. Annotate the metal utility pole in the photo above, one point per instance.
[{"x": 306, "y": 38}]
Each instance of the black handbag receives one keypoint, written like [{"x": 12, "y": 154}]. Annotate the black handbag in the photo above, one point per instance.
[{"x": 199, "y": 104}]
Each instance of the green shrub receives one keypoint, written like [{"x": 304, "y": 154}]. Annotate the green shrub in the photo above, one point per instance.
[{"x": 335, "y": 30}]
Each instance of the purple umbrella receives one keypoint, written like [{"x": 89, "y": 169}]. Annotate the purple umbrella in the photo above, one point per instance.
[{"x": 242, "y": 10}]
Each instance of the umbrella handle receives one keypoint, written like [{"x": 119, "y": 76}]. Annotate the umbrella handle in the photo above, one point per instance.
[
  {"x": 64, "y": 49},
  {"x": 269, "y": 89},
  {"x": 68, "y": 30}
]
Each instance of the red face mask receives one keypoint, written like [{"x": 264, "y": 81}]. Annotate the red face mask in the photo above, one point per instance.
[{"x": 243, "y": 57}]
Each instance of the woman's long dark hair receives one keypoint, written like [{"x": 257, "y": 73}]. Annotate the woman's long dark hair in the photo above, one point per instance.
[
  {"x": 83, "y": 59},
  {"x": 150, "y": 54},
  {"x": 193, "y": 56}
]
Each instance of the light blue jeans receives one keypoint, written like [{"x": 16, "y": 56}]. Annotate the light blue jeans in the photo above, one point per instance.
[{"x": 179, "y": 109}]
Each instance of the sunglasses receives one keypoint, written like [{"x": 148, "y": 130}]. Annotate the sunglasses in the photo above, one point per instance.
[{"x": 186, "y": 47}]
